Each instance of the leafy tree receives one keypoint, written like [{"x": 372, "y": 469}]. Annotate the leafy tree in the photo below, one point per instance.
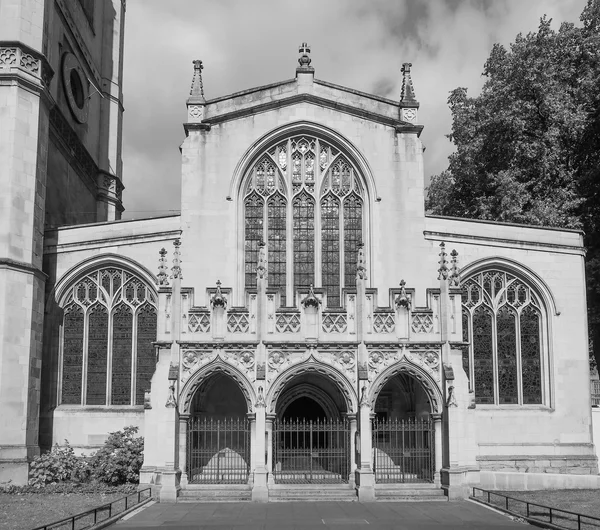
[{"x": 528, "y": 147}]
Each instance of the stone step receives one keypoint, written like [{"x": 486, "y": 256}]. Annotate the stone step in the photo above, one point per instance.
[
  {"x": 312, "y": 493},
  {"x": 215, "y": 493},
  {"x": 409, "y": 492}
]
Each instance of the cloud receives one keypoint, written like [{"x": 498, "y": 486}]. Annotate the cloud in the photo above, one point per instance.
[{"x": 360, "y": 44}]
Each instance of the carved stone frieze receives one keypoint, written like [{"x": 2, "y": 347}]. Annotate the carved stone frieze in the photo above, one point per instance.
[
  {"x": 193, "y": 359},
  {"x": 335, "y": 322},
  {"x": 428, "y": 359},
  {"x": 238, "y": 322},
  {"x": 199, "y": 322},
  {"x": 384, "y": 323},
  {"x": 422, "y": 323},
  {"x": 287, "y": 322}
]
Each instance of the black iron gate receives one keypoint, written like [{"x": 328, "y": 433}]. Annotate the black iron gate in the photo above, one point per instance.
[
  {"x": 403, "y": 451},
  {"x": 311, "y": 452},
  {"x": 218, "y": 451}
]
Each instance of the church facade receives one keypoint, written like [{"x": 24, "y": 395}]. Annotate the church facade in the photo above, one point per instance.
[{"x": 302, "y": 323}]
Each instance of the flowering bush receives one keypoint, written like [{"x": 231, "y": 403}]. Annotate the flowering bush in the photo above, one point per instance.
[{"x": 121, "y": 458}]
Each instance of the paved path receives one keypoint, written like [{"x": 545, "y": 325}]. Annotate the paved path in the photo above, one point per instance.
[{"x": 319, "y": 515}]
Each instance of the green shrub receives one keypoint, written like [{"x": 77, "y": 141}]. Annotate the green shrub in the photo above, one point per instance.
[
  {"x": 121, "y": 458},
  {"x": 58, "y": 465}
]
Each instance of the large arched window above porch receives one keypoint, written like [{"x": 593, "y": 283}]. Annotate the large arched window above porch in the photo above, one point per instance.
[
  {"x": 305, "y": 199},
  {"x": 504, "y": 321},
  {"x": 109, "y": 325}
]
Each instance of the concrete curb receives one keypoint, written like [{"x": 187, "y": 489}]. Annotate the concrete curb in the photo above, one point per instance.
[{"x": 112, "y": 520}]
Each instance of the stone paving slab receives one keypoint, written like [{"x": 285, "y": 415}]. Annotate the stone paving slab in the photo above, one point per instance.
[{"x": 319, "y": 515}]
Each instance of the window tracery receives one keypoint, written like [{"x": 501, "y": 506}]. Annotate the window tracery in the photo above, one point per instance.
[
  {"x": 304, "y": 198},
  {"x": 109, "y": 325},
  {"x": 502, "y": 320}
]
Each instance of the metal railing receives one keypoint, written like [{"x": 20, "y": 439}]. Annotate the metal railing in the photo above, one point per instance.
[
  {"x": 595, "y": 390},
  {"x": 311, "y": 452},
  {"x": 218, "y": 451},
  {"x": 92, "y": 517},
  {"x": 403, "y": 451},
  {"x": 538, "y": 512}
]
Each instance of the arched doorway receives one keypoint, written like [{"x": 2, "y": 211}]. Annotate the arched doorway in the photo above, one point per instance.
[
  {"x": 403, "y": 433},
  {"x": 218, "y": 433},
  {"x": 311, "y": 433}
]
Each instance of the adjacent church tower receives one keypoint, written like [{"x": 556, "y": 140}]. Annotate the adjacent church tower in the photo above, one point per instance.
[{"x": 60, "y": 132}]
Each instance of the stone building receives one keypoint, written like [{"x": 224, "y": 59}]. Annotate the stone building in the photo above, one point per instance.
[
  {"x": 60, "y": 163},
  {"x": 302, "y": 325}
]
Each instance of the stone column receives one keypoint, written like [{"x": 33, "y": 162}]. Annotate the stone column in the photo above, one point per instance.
[
  {"x": 353, "y": 448},
  {"x": 269, "y": 425},
  {"x": 437, "y": 430},
  {"x": 260, "y": 490},
  {"x": 365, "y": 478},
  {"x": 183, "y": 448}
]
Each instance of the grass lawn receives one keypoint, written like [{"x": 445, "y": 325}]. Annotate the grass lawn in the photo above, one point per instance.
[
  {"x": 585, "y": 502},
  {"x": 28, "y": 510}
]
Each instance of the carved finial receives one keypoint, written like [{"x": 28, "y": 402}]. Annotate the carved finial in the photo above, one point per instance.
[
  {"x": 197, "y": 90},
  {"x": 311, "y": 300},
  {"x": 403, "y": 300},
  {"x": 261, "y": 267},
  {"x": 443, "y": 270},
  {"x": 171, "y": 403},
  {"x": 454, "y": 269},
  {"x": 304, "y": 60},
  {"x": 176, "y": 268},
  {"x": 218, "y": 299},
  {"x": 407, "y": 93},
  {"x": 260, "y": 399},
  {"x": 361, "y": 267},
  {"x": 162, "y": 277}
]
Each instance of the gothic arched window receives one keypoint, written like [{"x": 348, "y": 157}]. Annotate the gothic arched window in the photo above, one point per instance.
[
  {"x": 304, "y": 199},
  {"x": 502, "y": 320},
  {"x": 109, "y": 326}
]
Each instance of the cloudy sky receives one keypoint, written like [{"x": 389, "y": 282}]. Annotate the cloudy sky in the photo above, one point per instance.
[{"x": 246, "y": 43}]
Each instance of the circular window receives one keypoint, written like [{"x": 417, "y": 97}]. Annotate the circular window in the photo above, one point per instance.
[
  {"x": 75, "y": 85},
  {"x": 77, "y": 89}
]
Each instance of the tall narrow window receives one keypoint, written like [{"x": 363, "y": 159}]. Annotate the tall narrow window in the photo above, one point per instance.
[
  {"x": 72, "y": 354},
  {"x": 504, "y": 317},
  {"x": 353, "y": 237},
  {"x": 304, "y": 241},
  {"x": 253, "y": 236},
  {"x": 109, "y": 326},
  {"x": 483, "y": 356},
  {"x": 276, "y": 244},
  {"x": 530, "y": 355},
  {"x": 122, "y": 348},
  {"x": 97, "y": 355},
  {"x": 330, "y": 248}
]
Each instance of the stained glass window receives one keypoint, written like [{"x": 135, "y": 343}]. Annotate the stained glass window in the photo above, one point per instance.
[
  {"x": 276, "y": 244},
  {"x": 97, "y": 355},
  {"x": 253, "y": 236},
  {"x": 115, "y": 296},
  {"x": 507, "y": 356},
  {"x": 530, "y": 356},
  {"x": 502, "y": 318},
  {"x": 483, "y": 362},
  {"x": 146, "y": 335},
  {"x": 121, "y": 354},
  {"x": 304, "y": 240},
  {"x": 72, "y": 354},
  {"x": 330, "y": 248},
  {"x": 353, "y": 237},
  {"x": 310, "y": 180}
]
